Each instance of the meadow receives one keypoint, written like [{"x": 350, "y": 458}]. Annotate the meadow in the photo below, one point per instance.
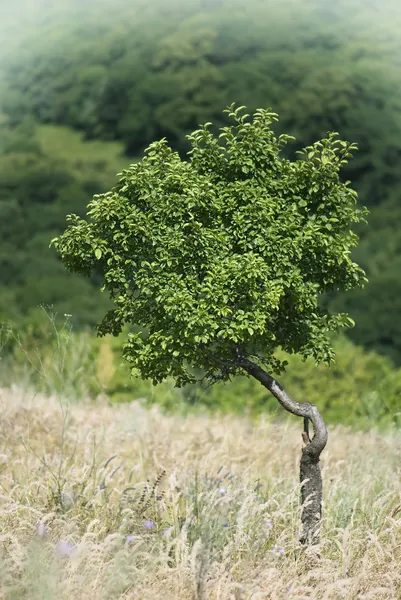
[{"x": 103, "y": 501}]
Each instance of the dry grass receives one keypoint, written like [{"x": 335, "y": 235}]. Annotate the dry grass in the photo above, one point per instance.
[{"x": 211, "y": 510}]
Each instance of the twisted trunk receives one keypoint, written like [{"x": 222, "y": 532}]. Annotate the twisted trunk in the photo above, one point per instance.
[{"x": 310, "y": 474}]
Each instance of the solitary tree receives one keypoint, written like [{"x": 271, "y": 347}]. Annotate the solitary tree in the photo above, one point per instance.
[{"x": 220, "y": 260}]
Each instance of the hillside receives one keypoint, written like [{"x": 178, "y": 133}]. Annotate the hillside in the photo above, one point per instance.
[
  {"x": 46, "y": 172},
  {"x": 130, "y": 73}
]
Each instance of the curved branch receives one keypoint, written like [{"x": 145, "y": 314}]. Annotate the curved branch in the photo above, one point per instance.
[{"x": 300, "y": 409}]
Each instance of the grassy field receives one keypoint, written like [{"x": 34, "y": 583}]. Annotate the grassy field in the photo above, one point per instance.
[{"x": 103, "y": 502}]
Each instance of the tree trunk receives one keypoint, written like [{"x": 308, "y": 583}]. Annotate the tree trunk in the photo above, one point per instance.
[{"x": 310, "y": 474}]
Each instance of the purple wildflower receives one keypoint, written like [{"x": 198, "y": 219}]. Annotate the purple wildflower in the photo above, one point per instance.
[
  {"x": 64, "y": 548},
  {"x": 149, "y": 525},
  {"x": 278, "y": 550},
  {"x": 131, "y": 537},
  {"x": 222, "y": 491},
  {"x": 268, "y": 524}
]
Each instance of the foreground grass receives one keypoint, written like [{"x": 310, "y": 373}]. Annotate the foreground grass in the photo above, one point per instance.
[{"x": 103, "y": 502}]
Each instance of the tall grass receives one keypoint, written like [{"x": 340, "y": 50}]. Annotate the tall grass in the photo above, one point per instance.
[
  {"x": 49, "y": 357},
  {"x": 104, "y": 502}
]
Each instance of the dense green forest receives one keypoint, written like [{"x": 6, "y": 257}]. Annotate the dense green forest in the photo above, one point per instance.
[
  {"x": 86, "y": 86},
  {"x": 46, "y": 172}
]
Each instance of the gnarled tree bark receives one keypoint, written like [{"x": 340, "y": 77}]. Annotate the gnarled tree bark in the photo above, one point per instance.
[{"x": 310, "y": 474}]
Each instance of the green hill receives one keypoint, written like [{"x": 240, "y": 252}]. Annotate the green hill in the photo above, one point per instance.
[
  {"x": 46, "y": 172},
  {"x": 134, "y": 72}
]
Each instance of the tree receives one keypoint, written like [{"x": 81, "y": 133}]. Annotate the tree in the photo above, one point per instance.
[{"x": 220, "y": 260}]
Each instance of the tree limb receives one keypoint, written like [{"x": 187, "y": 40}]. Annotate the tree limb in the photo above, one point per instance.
[{"x": 300, "y": 409}]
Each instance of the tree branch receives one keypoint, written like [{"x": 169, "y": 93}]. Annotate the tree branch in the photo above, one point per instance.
[{"x": 300, "y": 409}]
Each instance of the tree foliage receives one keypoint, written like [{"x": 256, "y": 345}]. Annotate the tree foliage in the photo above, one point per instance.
[{"x": 224, "y": 255}]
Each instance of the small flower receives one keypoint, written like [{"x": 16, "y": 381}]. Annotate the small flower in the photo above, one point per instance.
[
  {"x": 131, "y": 537},
  {"x": 64, "y": 548},
  {"x": 149, "y": 525},
  {"x": 222, "y": 491},
  {"x": 41, "y": 530},
  {"x": 268, "y": 524},
  {"x": 297, "y": 534},
  {"x": 226, "y": 525},
  {"x": 278, "y": 551}
]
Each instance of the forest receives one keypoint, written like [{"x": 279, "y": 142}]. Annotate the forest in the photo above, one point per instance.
[{"x": 86, "y": 87}]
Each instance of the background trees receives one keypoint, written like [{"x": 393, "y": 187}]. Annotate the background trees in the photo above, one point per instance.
[
  {"x": 136, "y": 72},
  {"x": 44, "y": 171}
]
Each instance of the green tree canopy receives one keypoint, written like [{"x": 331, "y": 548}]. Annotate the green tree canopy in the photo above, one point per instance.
[{"x": 224, "y": 255}]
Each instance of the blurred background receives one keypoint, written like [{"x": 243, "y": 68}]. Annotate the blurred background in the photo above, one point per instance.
[{"x": 86, "y": 85}]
